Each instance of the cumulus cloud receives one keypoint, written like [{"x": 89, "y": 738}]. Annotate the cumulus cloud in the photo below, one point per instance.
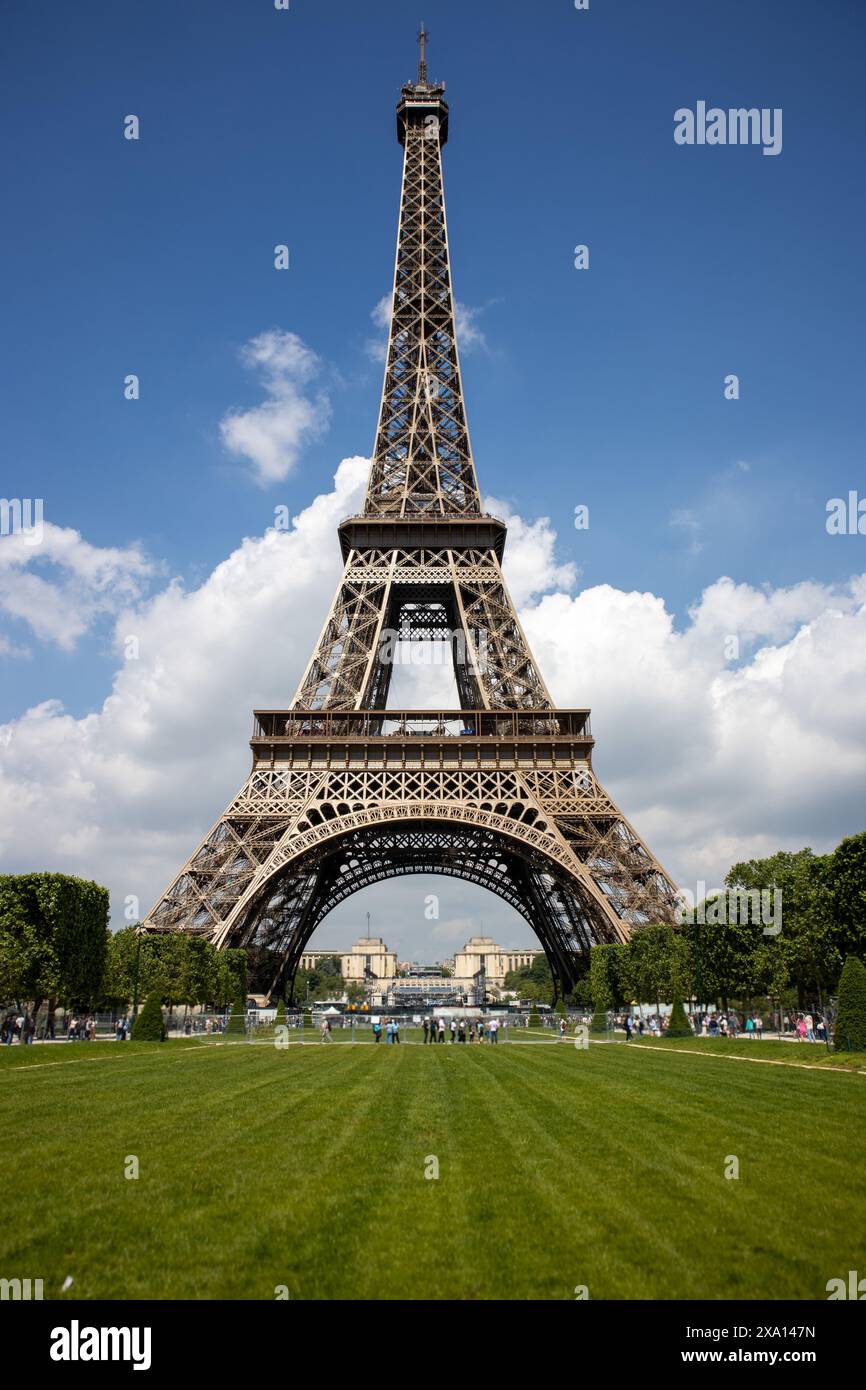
[
  {"x": 530, "y": 564},
  {"x": 58, "y": 584},
  {"x": 123, "y": 794},
  {"x": 712, "y": 757},
  {"x": 270, "y": 436}
]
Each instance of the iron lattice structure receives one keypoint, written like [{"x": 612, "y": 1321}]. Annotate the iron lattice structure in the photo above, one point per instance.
[{"x": 345, "y": 792}]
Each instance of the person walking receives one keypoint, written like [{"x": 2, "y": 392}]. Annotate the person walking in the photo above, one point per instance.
[
  {"x": 325, "y": 1031},
  {"x": 628, "y": 1027},
  {"x": 562, "y": 1027}
]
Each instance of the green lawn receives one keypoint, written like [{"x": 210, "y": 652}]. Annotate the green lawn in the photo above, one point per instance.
[{"x": 305, "y": 1168}]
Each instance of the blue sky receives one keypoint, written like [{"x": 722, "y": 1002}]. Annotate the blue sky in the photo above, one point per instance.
[{"x": 602, "y": 387}]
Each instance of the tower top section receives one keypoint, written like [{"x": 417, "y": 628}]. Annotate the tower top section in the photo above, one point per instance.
[{"x": 423, "y": 102}]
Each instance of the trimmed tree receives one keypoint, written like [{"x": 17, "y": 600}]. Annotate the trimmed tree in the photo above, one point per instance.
[
  {"x": 237, "y": 1024},
  {"x": 679, "y": 1026},
  {"x": 599, "y": 1022},
  {"x": 53, "y": 938},
  {"x": 851, "y": 1015},
  {"x": 150, "y": 1025},
  {"x": 534, "y": 1017}
]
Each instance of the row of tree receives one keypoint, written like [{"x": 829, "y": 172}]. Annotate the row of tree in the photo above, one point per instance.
[
  {"x": 56, "y": 947},
  {"x": 724, "y": 954}
]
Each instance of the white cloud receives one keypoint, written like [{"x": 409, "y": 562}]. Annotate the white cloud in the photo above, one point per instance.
[
  {"x": 711, "y": 760},
  {"x": 271, "y": 436},
  {"x": 84, "y": 583},
  {"x": 122, "y": 794},
  {"x": 530, "y": 564},
  {"x": 469, "y": 333}
]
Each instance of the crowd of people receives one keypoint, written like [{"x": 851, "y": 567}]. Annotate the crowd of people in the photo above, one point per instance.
[
  {"x": 20, "y": 1026},
  {"x": 805, "y": 1027}
]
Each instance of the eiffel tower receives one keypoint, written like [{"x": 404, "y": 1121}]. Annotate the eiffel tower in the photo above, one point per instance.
[{"x": 345, "y": 792}]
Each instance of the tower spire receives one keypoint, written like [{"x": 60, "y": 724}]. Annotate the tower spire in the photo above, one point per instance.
[{"x": 422, "y": 56}]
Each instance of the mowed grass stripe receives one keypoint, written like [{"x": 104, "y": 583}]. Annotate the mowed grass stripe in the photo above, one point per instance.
[{"x": 305, "y": 1167}]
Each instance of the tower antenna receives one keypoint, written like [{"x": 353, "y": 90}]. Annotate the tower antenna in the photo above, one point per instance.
[{"x": 422, "y": 56}]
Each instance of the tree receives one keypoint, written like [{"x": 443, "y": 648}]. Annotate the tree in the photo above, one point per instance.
[
  {"x": 851, "y": 1012},
  {"x": 607, "y": 985},
  {"x": 53, "y": 938},
  {"x": 237, "y": 1024},
  {"x": 534, "y": 1017},
  {"x": 808, "y": 944},
  {"x": 532, "y": 982},
  {"x": 846, "y": 883},
  {"x": 150, "y": 1025},
  {"x": 678, "y": 1025},
  {"x": 653, "y": 958}
]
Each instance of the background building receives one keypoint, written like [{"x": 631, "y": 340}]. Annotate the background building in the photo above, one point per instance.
[
  {"x": 366, "y": 959},
  {"x": 483, "y": 953}
]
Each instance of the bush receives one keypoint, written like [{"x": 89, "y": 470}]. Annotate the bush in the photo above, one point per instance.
[
  {"x": 534, "y": 1018},
  {"x": 150, "y": 1026},
  {"x": 678, "y": 1025},
  {"x": 599, "y": 1022},
  {"x": 851, "y": 1016},
  {"x": 237, "y": 1024}
]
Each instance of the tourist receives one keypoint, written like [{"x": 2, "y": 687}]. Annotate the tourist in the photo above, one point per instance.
[
  {"x": 426, "y": 1030},
  {"x": 628, "y": 1027},
  {"x": 759, "y": 1026},
  {"x": 810, "y": 1028},
  {"x": 801, "y": 1028},
  {"x": 441, "y": 1030},
  {"x": 461, "y": 1031},
  {"x": 454, "y": 1030},
  {"x": 325, "y": 1031},
  {"x": 562, "y": 1027},
  {"x": 395, "y": 1030},
  {"x": 377, "y": 1030},
  {"x": 494, "y": 1029}
]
